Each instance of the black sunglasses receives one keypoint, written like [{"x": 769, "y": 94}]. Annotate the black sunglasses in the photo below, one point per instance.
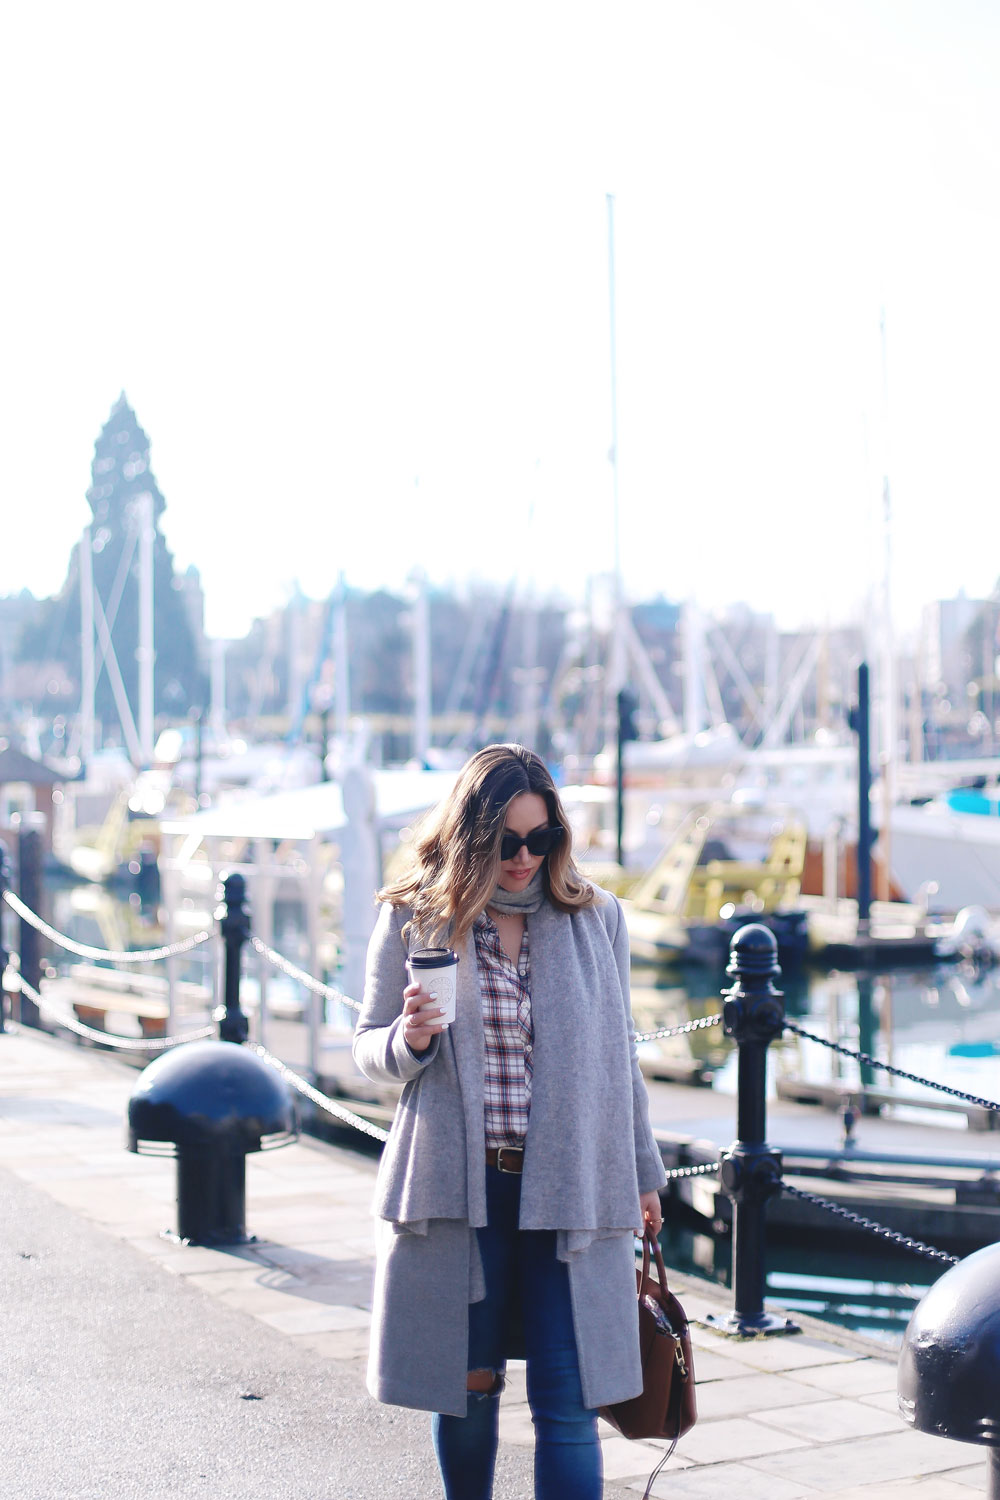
[{"x": 539, "y": 841}]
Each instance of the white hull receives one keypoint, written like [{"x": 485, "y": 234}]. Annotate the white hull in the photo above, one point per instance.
[{"x": 959, "y": 852}]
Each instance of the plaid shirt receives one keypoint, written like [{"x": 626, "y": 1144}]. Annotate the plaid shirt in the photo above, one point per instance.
[{"x": 506, "y": 996}]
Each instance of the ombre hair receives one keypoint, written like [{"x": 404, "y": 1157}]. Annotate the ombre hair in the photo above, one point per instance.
[{"x": 457, "y": 849}]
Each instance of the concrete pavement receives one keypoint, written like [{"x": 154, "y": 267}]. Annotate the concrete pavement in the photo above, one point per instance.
[{"x": 137, "y": 1367}]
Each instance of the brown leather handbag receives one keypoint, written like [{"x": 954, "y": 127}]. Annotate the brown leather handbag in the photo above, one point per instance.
[{"x": 666, "y": 1406}]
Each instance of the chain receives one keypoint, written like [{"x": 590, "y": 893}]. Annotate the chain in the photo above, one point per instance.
[
  {"x": 330, "y": 1105},
  {"x": 873, "y": 1062},
  {"x": 699, "y": 1025},
  {"x": 879, "y": 1229},
  {"x": 108, "y": 1039},
  {"x": 708, "y": 1166},
  {"x": 327, "y": 991},
  {"x": 140, "y": 955}
]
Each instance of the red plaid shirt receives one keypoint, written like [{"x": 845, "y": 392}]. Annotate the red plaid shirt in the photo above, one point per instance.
[{"x": 506, "y": 993}]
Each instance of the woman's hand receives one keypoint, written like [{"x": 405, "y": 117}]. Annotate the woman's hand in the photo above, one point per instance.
[
  {"x": 419, "y": 1012},
  {"x": 652, "y": 1213}
]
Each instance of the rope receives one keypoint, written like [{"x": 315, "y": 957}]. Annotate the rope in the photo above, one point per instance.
[
  {"x": 878, "y": 1229},
  {"x": 327, "y": 991},
  {"x": 873, "y": 1062},
  {"x": 330, "y": 1105},
  {"x": 139, "y": 955},
  {"x": 699, "y": 1025},
  {"x": 108, "y": 1039}
]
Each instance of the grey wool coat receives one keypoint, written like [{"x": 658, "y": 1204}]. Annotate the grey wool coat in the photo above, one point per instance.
[{"x": 589, "y": 1152}]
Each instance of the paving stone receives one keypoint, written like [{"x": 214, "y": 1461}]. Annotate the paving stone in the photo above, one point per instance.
[
  {"x": 749, "y": 1393},
  {"x": 314, "y": 1319},
  {"x": 883, "y": 1400},
  {"x": 830, "y": 1421},
  {"x": 975, "y": 1478},
  {"x": 921, "y": 1487},
  {"x": 711, "y": 1366},
  {"x": 838, "y": 1466},
  {"x": 786, "y": 1352},
  {"x": 861, "y": 1377},
  {"x": 719, "y": 1480},
  {"x": 625, "y": 1460},
  {"x": 734, "y": 1438},
  {"x": 516, "y": 1425}
]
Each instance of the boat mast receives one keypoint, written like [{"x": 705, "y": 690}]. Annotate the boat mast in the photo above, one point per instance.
[
  {"x": 147, "y": 537},
  {"x": 616, "y": 662},
  {"x": 87, "y": 673},
  {"x": 341, "y": 667},
  {"x": 887, "y": 756},
  {"x": 421, "y": 670}
]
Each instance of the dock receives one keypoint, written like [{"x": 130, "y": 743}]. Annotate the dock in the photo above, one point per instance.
[{"x": 779, "y": 1418}]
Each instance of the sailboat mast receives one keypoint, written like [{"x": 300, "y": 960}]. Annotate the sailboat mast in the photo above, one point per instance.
[
  {"x": 87, "y": 675},
  {"x": 147, "y": 541},
  {"x": 616, "y": 663},
  {"x": 887, "y": 756}
]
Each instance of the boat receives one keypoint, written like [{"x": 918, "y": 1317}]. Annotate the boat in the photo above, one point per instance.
[
  {"x": 949, "y": 845},
  {"x": 725, "y": 867}
]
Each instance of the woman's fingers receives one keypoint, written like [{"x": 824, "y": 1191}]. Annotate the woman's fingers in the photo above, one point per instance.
[{"x": 420, "y": 1013}]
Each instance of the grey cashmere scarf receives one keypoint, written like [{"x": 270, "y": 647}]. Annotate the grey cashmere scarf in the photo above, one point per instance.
[{"x": 519, "y": 903}]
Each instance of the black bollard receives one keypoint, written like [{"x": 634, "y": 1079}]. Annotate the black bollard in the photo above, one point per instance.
[
  {"x": 30, "y": 852},
  {"x": 753, "y": 1015},
  {"x": 948, "y": 1381},
  {"x": 235, "y": 927},
  {"x": 4, "y": 955}
]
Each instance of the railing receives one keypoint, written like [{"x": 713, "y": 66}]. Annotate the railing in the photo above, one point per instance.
[{"x": 752, "y": 1015}]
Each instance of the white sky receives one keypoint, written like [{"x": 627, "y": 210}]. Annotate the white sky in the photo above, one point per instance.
[{"x": 332, "y": 249}]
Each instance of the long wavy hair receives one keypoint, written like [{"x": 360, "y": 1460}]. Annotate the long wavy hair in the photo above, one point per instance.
[{"x": 457, "y": 849}]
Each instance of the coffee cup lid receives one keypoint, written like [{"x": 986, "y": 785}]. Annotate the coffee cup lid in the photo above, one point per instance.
[{"x": 432, "y": 958}]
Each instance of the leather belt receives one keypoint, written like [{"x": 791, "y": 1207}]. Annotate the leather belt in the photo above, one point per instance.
[{"x": 505, "y": 1158}]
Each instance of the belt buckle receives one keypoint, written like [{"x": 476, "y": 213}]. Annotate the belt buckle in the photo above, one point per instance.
[{"x": 511, "y": 1171}]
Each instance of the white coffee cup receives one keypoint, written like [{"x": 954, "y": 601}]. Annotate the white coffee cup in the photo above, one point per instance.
[{"x": 436, "y": 971}]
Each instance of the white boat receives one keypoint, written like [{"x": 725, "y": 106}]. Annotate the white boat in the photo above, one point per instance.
[{"x": 949, "y": 847}]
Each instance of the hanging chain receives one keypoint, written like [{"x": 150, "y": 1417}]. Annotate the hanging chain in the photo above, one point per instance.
[
  {"x": 83, "y": 950},
  {"x": 873, "y": 1062},
  {"x": 665, "y": 1031},
  {"x": 676, "y": 1172},
  {"x": 322, "y": 1100},
  {"x": 107, "y": 1038},
  {"x": 327, "y": 991},
  {"x": 878, "y": 1229}
]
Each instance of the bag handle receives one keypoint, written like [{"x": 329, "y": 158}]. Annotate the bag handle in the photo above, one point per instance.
[{"x": 650, "y": 1242}]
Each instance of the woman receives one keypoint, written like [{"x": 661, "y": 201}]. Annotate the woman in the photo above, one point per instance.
[{"x": 521, "y": 1160}]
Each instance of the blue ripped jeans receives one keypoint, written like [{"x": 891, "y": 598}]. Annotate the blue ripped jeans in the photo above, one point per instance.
[{"x": 567, "y": 1450}]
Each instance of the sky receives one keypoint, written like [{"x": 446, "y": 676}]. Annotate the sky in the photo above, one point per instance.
[{"x": 350, "y": 264}]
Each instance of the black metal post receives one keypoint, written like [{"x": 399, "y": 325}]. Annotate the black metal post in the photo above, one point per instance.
[
  {"x": 235, "y": 927},
  {"x": 627, "y": 704},
  {"x": 860, "y": 724},
  {"x": 4, "y": 955},
  {"x": 753, "y": 1015},
  {"x": 211, "y": 1193},
  {"x": 29, "y": 879}
]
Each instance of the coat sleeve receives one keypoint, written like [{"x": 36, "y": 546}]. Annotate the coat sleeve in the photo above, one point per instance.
[
  {"x": 648, "y": 1161},
  {"x": 379, "y": 1047}
]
